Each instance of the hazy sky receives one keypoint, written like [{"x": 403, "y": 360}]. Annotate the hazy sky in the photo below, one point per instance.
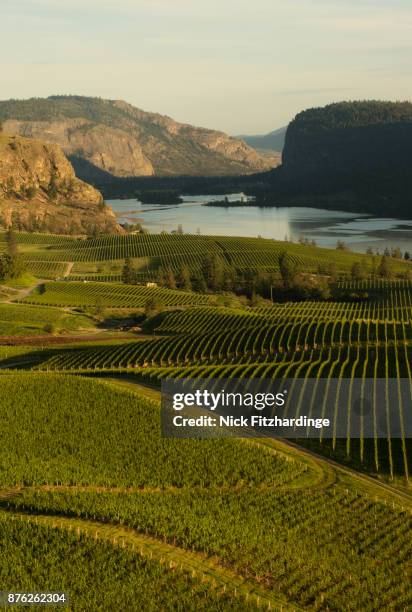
[{"x": 243, "y": 66}]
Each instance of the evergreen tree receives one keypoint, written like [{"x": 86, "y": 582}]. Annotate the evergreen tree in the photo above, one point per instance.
[
  {"x": 288, "y": 270},
  {"x": 213, "y": 271},
  {"x": 12, "y": 247},
  {"x": 128, "y": 272},
  {"x": 384, "y": 267},
  {"x": 199, "y": 283},
  {"x": 358, "y": 271},
  {"x": 170, "y": 279},
  {"x": 11, "y": 267},
  {"x": 153, "y": 306},
  {"x": 185, "y": 281}
]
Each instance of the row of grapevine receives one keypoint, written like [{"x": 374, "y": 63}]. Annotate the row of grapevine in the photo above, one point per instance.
[
  {"x": 322, "y": 549},
  {"x": 47, "y": 269},
  {"x": 174, "y": 250},
  {"x": 111, "y": 295}
]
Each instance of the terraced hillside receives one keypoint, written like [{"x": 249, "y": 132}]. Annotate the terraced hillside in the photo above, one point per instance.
[
  {"x": 312, "y": 340},
  {"x": 48, "y": 255}
]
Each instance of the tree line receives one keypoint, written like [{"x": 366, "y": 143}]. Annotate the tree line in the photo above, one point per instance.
[
  {"x": 288, "y": 284},
  {"x": 12, "y": 265}
]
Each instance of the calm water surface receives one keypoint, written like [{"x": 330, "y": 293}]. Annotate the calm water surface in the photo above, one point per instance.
[{"x": 326, "y": 227}]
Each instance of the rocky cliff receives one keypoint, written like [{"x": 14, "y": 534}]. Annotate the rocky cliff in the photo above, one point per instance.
[
  {"x": 341, "y": 143},
  {"x": 40, "y": 192},
  {"x": 113, "y": 138},
  {"x": 348, "y": 156}
]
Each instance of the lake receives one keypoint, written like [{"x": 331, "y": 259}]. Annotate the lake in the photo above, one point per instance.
[{"x": 358, "y": 231}]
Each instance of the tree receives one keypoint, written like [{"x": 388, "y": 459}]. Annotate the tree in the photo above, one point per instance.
[
  {"x": 99, "y": 307},
  {"x": 228, "y": 278},
  {"x": 161, "y": 277},
  {"x": 170, "y": 280},
  {"x": 11, "y": 239},
  {"x": 185, "y": 281},
  {"x": 342, "y": 246},
  {"x": 407, "y": 256},
  {"x": 18, "y": 267},
  {"x": 199, "y": 283},
  {"x": 31, "y": 191},
  {"x": 358, "y": 271},
  {"x": 52, "y": 190},
  {"x": 384, "y": 267},
  {"x": 5, "y": 263},
  {"x": 128, "y": 271},
  {"x": 11, "y": 267},
  {"x": 328, "y": 269},
  {"x": 288, "y": 269},
  {"x": 213, "y": 271},
  {"x": 153, "y": 307},
  {"x": 49, "y": 328}
]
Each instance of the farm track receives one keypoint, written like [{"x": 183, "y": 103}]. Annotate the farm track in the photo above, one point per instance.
[
  {"x": 21, "y": 294},
  {"x": 198, "y": 565},
  {"x": 68, "y": 270}
]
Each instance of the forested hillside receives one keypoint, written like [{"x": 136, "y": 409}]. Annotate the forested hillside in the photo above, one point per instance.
[{"x": 358, "y": 154}]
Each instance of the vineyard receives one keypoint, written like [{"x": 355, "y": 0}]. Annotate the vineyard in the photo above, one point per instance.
[
  {"x": 113, "y": 295},
  {"x": 309, "y": 340},
  {"x": 29, "y": 562},
  {"x": 215, "y": 524},
  {"x": 281, "y": 527},
  {"x": 48, "y": 256}
]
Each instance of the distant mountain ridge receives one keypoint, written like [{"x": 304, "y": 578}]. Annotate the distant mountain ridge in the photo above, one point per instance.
[
  {"x": 274, "y": 141},
  {"x": 113, "y": 138}
]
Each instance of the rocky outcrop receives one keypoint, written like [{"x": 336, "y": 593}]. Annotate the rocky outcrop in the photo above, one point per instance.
[
  {"x": 109, "y": 149},
  {"x": 341, "y": 144},
  {"x": 353, "y": 156},
  {"x": 39, "y": 191},
  {"x": 121, "y": 140}
]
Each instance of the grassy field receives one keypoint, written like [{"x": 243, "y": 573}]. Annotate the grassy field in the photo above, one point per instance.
[{"x": 22, "y": 320}]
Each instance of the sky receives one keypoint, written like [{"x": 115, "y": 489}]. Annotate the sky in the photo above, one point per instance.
[{"x": 241, "y": 66}]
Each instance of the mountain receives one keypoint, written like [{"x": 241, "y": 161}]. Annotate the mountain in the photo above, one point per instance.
[
  {"x": 274, "y": 141},
  {"x": 356, "y": 153},
  {"x": 347, "y": 138},
  {"x": 106, "y": 138},
  {"x": 40, "y": 192}
]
